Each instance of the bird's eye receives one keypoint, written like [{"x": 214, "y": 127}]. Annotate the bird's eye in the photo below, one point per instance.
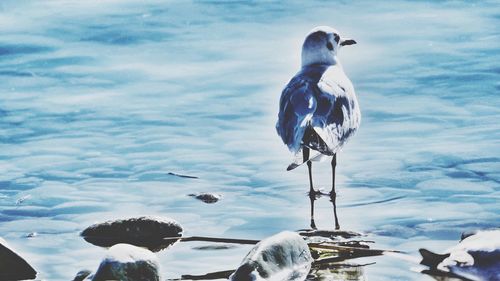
[
  {"x": 329, "y": 45},
  {"x": 336, "y": 37}
]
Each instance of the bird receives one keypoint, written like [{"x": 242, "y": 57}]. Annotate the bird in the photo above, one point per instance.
[{"x": 318, "y": 108}]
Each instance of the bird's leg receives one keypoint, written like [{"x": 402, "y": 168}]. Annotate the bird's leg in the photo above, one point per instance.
[
  {"x": 333, "y": 194},
  {"x": 305, "y": 157},
  {"x": 312, "y": 192},
  {"x": 313, "y": 223}
]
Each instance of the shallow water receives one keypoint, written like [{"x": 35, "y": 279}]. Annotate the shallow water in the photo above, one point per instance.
[{"x": 101, "y": 100}]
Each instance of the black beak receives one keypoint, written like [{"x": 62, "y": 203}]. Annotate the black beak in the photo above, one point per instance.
[{"x": 347, "y": 42}]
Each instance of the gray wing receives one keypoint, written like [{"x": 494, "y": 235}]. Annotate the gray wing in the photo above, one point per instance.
[{"x": 297, "y": 105}]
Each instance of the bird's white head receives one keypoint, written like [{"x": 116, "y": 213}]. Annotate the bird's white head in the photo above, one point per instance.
[{"x": 321, "y": 46}]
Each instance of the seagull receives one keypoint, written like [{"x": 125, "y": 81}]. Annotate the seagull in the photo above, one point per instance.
[{"x": 318, "y": 107}]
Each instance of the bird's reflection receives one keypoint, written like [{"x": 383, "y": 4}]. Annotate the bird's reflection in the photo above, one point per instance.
[{"x": 313, "y": 197}]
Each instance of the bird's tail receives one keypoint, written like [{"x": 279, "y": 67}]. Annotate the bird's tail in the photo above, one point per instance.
[{"x": 299, "y": 161}]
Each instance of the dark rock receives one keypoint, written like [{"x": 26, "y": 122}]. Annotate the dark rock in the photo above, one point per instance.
[
  {"x": 125, "y": 262},
  {"x": 148, "y": 232},
  {"x": 13, "y": 266},
  {"x": 207, "y": 197},
  {"x": 31, "y": 235},
  {"x": 282, "y": 257},
  {"x": 82, "y": 275}
]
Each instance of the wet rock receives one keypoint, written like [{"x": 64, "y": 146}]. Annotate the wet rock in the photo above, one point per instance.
[
  {"x": 207, "y": 197},
  {"x": 82, "y": 275},
  {"x": 31, "y": 235},
  {"x": 126, "y": 262},
  {"x": 476, "y": 257},
  {"x": 284, "y": 256},
  {"x": 468, "y": 233},
  {"x": 13, "y": 266},
  {"x": 148, "y": 232}
]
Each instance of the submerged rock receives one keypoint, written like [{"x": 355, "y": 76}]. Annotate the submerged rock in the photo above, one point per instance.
[
  {"x": 31, "y": 235},
  {"x": 13, "y": 266},
  {"x": 148, "y": 232},
  {"x": 284, "y": 256},
  {"x": 207, "y": 197},
  {"x": 476, "y": 257},
  {"x": 126, "y": 262}
]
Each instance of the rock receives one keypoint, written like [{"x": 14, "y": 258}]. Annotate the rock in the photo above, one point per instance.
[
  {"x": 13, "y": 266},
  {"x": 207, "y": 197},
  {"x": 126, "y": 262},
  {"x": 476, "y": 257},
  {"x": 148, "y": 232},
  {"x": 82, "y": 275},
  {"x": 284, "y": 256},
  {"x": 31, "y": 235},
  {"x": 468, "y": 233}
]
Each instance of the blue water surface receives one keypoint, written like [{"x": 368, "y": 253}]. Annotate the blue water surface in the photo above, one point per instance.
[{"x": 101, "y": 100}]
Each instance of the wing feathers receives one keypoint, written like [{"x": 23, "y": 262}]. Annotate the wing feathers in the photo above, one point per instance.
[
  {"x": 297, "y": 106},
  {"x": 322, "y": 99}
]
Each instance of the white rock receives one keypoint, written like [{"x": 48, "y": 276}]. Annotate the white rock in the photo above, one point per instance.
[
  {"x": 284, "y": 256},
  {"x": 476, "y": 257},
  {"x": 126, "y": 262}
]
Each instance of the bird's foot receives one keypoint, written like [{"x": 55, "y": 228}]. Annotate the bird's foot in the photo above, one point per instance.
[
  {"x": 313, "y": 224},
  {"x": 333, "y": 196},
  {"x": 315, "y": 194}
]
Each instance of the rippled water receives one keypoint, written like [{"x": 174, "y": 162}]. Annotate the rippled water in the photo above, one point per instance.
[{"x": 101, "y": 100}]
